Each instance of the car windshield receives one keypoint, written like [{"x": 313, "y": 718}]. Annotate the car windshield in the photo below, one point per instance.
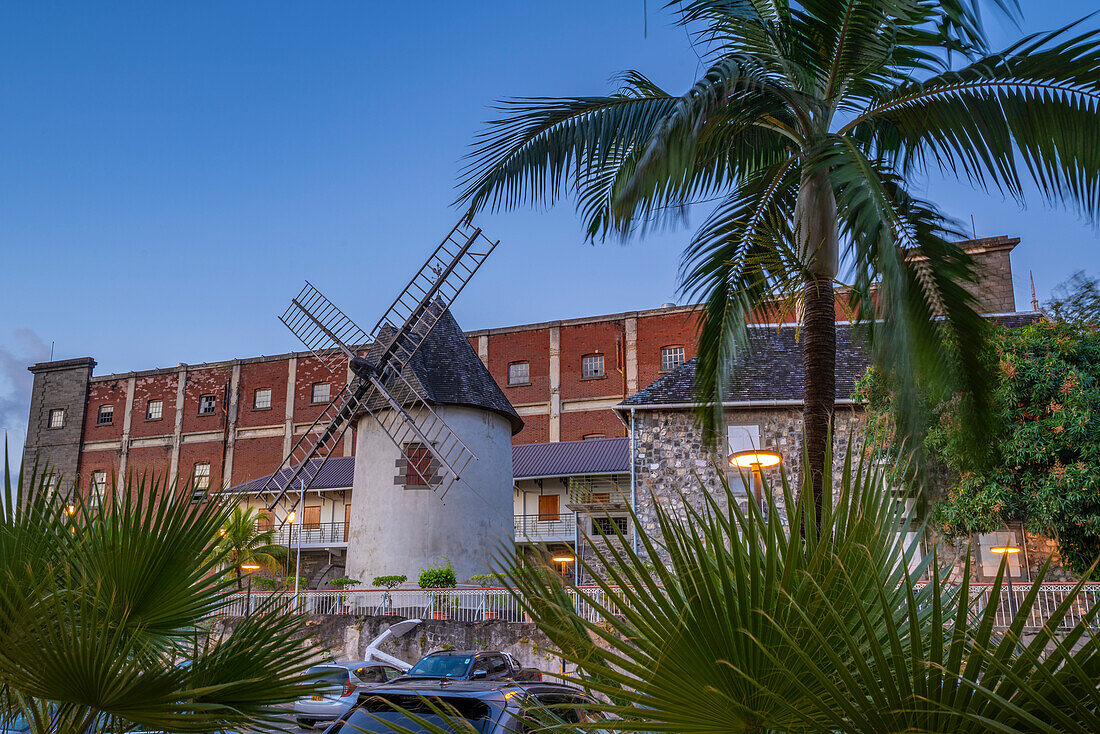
[
  {"x": 327, "y": 674},
  {"x": 442, "y": 666},
  {"x": 376, "y": 714},
  {"x": 15, "y": 723}
]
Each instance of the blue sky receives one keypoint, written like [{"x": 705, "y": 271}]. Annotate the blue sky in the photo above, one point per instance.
[{"x": 170, "y": 172}]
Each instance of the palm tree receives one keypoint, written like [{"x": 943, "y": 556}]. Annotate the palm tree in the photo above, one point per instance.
[
  {"x": 811, "y": 126},
  {"x": 100, "y": 605},
  {"x": 244, "y": 540},
  {"x": 752, "y": 624}
]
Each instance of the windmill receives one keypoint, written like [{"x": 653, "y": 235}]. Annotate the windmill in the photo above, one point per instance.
[{"x": 376, "y": 362}]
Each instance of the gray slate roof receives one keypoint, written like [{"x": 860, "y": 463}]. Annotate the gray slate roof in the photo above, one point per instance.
[
  {"x": 770, "y": 368},
  {"x": 571, "y": 458},
  {"x": 567, "y": 458},
  {"x": 447, "y": 371}
]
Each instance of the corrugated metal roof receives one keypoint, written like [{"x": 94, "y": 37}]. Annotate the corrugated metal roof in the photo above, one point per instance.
[
  {"x": 563, "y": 459},
  {"x": 569, "y": 458}
]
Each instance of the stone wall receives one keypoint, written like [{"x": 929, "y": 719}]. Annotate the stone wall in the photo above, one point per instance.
[
  {"x": 345, "y": 637},
  {"x": 60, "y": 385}
]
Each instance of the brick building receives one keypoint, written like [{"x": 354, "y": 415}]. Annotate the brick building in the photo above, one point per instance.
[{"x": 229, "y": 422}]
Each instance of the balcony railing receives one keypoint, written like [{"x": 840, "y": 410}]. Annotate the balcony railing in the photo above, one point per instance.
[
  {"x": 318, "y": 535},
  {"x": 541, "y": 528}
]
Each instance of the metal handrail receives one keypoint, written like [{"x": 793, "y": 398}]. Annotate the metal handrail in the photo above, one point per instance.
[
  {"x": 311, "y": 534},
  {"x": 539, "y": 525}
]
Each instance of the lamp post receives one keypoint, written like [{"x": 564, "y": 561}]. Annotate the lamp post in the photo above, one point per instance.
[
  {"x": 564, "y": 560},
  {"x": 249, "y": 568},
  {"x": 755, "y": 460},
  {"x": 289, "y": 536}
]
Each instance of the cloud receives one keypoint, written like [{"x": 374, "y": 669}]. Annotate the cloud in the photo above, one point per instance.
[{"x": 23, "y": 350}]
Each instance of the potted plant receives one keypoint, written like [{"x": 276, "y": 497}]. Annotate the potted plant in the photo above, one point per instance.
[
  {"x": 440, "y": 575},
  {"x": 340, "y": 584},
  {"x": 389, "y": 583},
  {"x": 494, "y": 600}
]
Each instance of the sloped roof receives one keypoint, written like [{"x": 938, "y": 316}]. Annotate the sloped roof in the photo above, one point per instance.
[
  {"x": 570, "y": 458},
  {"x": 447, "y": 371},
  {"x": 567, "y": 458},
  {"x": 770, "y": 367}
]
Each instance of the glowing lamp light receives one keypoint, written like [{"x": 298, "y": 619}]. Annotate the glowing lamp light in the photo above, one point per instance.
[
  {"x": 70, "y": 510},
  {"x": 563, "y": 559},
  {"x": 250, "y": 567},
  {"x": 755, "y": 459},
  {"x": 290, "y": 518},
  {"x": 1002, "y": 549}
]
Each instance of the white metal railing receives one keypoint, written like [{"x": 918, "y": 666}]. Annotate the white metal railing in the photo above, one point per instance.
[
  {"x": 312, "y": 535},
  {"x": 477, "y": 605},
  {"x": 539, "y": 527}
]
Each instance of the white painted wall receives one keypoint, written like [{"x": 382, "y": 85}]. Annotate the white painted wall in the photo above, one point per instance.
[{"x": 400, "y": 531}]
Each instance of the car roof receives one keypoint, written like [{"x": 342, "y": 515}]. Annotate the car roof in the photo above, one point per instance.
[
  {"x": 470, "y": 688},
  {"x": 351, "y": 664},
  {"x": 461, "y": 653}
]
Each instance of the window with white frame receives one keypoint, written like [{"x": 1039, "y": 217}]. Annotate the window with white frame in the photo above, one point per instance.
[
  {"x": 208, "y": 404},
  {"x": 200, "y": 481},
  {"x": 591, "y": 366},
  {"x": 154, "y": 409},
  {"x": 519, "y": 373},
  {"x": 671, "y": 357},
  {"x": 609, "y": 525},
  {"x": 49, "y": 487},
  {"x": 57, "y": 418},
  {"x": 320, "y": 393},
  {"x": 99, "y": 488},
  {"x": 590, "y": 436},
  {"x": 106, "y": 415},
  {"x": 261, "y": 399}
]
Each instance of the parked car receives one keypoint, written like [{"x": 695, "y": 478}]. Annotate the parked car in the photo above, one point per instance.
[
  {"x": 337, "y": 692},
  {"x": 471, "y": 665},
  {"x": 490, "y": 707}
]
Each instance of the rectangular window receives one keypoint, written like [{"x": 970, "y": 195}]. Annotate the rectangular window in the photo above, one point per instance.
[
  {"x": 519, "y": 373},
  {"x": 57, "y": 418},
  {"x": 590, "y": 436},
  {"x": 99, "y": 488},
  {"x": 261, "y": 400},
  {"x": 592, "y": 366},
  {"x": 418, "y": 465},
  {"x": 671, "y": 357},
  {"x": 207, "y": 404},
  {"x": 50, "y": 487},
  {"x": 608, "y": 525},
  {"x": 106, "y": 415},
  {"x": 311, "y": 518},
  {"x": 154, "y": 409},
  {"x": 200, "y": 481},
  {"x": 320, "y": 393},
  {"x": 548, "y": 507}
]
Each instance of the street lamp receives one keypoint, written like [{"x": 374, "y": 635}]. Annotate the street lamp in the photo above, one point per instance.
[
  {"x": 564, "y": 560},
  {"x": 1008, "y": 551},
  {"x": 249, "y": 568},
  {"x": 755, "y": 460}
]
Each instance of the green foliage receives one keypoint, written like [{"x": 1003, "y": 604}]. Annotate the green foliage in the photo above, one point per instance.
[
  {"x": 265, "y": 583},
  {"x": 389, "y": 582},
  {"x": 1077, "y": 300},
  {"x": 343, "y": 583},
  {"x": 242, "y": 539},
  {"x": 752, "y": 625},
  {"x": 485, "y": 580},
  {"x": 1041, "y": 466},
  {"x": 303, "y": 582},
  {"x": 96, "y": 605},
  {"x": 441, "y": 575}
]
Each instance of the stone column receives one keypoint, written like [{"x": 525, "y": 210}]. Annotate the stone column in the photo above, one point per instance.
[
  {"x": 555, "y": 383},
  {"x": 630, "y": 327},
  {"x": 126, "y": 420},
  {"x": 231, "y": 428},
  {"x": 177, "y": 431},
  {"x": 288, "y": 421}
]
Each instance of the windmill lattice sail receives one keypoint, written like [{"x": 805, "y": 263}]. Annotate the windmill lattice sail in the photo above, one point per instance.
[{"x": 378, "y": 385}]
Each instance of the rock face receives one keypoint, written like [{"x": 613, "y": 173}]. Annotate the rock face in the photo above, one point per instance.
[{"x": 398, "y": 530}]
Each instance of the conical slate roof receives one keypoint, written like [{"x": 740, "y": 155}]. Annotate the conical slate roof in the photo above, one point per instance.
[{"x": 447, "y": 371}]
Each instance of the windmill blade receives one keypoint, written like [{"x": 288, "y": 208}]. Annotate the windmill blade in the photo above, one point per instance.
[
  {"x": 413, "y": 426},
  {"x": 323, "y": 328},
  {"x": 416, "y": 311},
  {"x": 305, "y": 461}
]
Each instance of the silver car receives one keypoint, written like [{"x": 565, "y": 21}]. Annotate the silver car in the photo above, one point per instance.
[{"x": 336, "y": 695}]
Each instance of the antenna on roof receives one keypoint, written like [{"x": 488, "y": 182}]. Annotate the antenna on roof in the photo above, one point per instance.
[
  {"x": 1034, "y": 300},
  {"x": 51, "y": 350},
  {"x": 973, "y": 228}
]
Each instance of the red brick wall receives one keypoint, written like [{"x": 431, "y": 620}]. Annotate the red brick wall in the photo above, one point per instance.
[
  {"x": 536, "y": 429},
  {"x": 193, "y": 453},
  {"x": 576, "y": 342},
  {"x": 522, "y": 346},
  {"x": 92, "y": 461},
  {"x": 658, "y": 332},
  {"x": 105, "y": 393},
  {"x": 154, "y": 387},
  {"x": 256, "y": 457},
  {"x": 150, "y": 460},
  {"x": 576, "y": 425},
  {"x": 205, "y": 381},
  {"x": 311, "y": 370},
  {"x": 259, "y": 375}
]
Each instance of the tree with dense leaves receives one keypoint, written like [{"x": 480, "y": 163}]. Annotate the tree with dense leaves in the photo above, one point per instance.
[
  {"x": 814, "y": 124},
  {"x": 248, "y": 538}
]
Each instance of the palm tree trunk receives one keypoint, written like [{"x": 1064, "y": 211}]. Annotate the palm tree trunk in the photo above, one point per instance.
[{"x": 818, "y": 239}]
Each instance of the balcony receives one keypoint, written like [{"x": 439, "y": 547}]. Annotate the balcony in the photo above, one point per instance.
[
  {"x": 545, "y": 528},
  {"x": 316, "y": 535}
]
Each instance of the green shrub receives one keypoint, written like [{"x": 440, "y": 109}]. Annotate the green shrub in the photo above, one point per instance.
[
  {"x": 389, "y": 582},
  {"x": 439, "y": 576},
  {"x": 266, "y": 584},
  {"x": 485, "y": 580},
  {"x": 303, "y": 582},
  {"x": 343, "y": 583}
]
